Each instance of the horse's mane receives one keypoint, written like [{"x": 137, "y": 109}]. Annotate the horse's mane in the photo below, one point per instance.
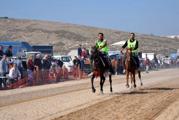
[{"x": 129, "y": 62}]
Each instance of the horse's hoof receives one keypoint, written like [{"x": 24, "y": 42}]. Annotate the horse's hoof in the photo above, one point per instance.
[
  {"x": 141, "y": 84},
  {"x": 101, "y": 92},
  {"x": 111, "y": 90},
  {"x": 93, "y": 90},
  {"x": 135, "y": 86},
  {"x": 127, "y": 85}
]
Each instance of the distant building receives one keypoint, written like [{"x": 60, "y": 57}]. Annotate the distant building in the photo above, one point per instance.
[
  {"x": 120, "y": 43},
  {"x": 173, "y": 36},
  {"x": 44, "y": 49}
]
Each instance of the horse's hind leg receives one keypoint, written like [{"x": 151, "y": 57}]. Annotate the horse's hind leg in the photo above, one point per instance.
[
  {"x": 131, "y": 77},
  {"x": 92, "y": 83},
  {"x": 127, "y": 79},
  {"x": 139, "y": 74},
  {"x": 102, "y": 79},
  {"x": 110, "y": 80},
  {"x": 134, "y": 79}
]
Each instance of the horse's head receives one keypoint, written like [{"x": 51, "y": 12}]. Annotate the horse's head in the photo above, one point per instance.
[
  {"x": 95, "y": 57},
  {"x": 94, "y": 51},
  {"x": 129, "y": 62},
  {"x": 128, "y": 54}
]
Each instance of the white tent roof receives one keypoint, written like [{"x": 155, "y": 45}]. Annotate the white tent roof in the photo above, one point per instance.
[{"x": 120, "y": 43}]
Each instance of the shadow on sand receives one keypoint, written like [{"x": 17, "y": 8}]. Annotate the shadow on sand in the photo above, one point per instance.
[
  {"x": 145, "y": 91},
  {"x": 161, "y": 88}
]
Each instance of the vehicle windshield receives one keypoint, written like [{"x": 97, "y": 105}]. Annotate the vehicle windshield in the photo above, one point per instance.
[{"x": 65, "y": 59}]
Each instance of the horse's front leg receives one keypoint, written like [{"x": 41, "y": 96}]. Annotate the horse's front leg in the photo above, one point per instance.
[
  {"x": 127, "y": 79},
  {"x": 110, "y": 81},
  {"x": 92, "y": 83},
  {"x": 102, "y": 79},
  {"x": 134, "y": 79},
  {"x": 131, "y": 77}
]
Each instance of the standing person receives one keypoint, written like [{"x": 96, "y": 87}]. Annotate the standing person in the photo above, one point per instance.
[
  {"x": 60, "y": 63},
  {"x": 82, "y": 63},
  {"x": 156, "y": 63},
  {"x": 30, "y": 70},
  {"x": 84, "y": 53},
  {"x": 38, "y": 68},
  {"x": 53, "y": 71},
  {"x": 14, "y": 74},
  {"x": 1, "y": 51},
  {"x": 79, "y": 51},
  {"x": 133, "y": 44},
  {"x": 46, "y": 63},
  {"x": 59, "y": 69},
  {"x": 18, "y": 62},
  {"x": 76, "y": 68},
  {"x": 3, "y": 70},
  {"x": 9, "y": 51},
  {"x": 147, "y": 63},
  {"x": 4, "y": 66}
]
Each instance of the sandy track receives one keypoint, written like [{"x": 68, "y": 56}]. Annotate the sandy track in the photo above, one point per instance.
[
  {"x": 159, "y": 93},
  {"x": 143, "y": 105},
  {"x": 159, "y": 101}
]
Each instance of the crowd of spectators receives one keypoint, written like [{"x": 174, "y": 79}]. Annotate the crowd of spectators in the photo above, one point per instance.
[
  {"x": 146, "y": 64},
  {"x": 38, "y": 69},
  {"x": 33, "y": 70},
  {"x": 80, "y": 61}
]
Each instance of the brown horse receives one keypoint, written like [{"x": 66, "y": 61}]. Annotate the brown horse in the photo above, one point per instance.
[
  {"x": 99, "y": 69},
  {"x": 131, "y": 69}
]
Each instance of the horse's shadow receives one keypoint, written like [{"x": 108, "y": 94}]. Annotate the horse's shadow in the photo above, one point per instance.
[
  {"x": 131, "y": 92},
  {"x": 161, "y": 88},
  {"x": 145, "y": 91}
]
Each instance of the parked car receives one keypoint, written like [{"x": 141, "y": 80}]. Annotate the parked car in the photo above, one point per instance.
[{"x": 67, "y": 61}]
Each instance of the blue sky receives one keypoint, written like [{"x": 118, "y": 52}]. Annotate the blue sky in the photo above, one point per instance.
[{"x": 158, "y": 17}]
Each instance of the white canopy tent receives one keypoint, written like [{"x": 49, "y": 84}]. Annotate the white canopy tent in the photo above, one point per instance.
[{"x": 120, "y": 43}]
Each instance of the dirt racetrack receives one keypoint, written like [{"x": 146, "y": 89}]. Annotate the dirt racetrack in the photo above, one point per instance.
[
  {"x": 158, "y": 99},
  {"x": 160, "y": 102}
]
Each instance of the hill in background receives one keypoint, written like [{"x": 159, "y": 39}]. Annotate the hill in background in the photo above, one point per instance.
[{"x": 64, "y": 36}]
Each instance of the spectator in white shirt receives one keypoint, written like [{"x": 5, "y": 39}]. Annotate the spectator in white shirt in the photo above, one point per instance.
[{"x": 14, "y": 73}]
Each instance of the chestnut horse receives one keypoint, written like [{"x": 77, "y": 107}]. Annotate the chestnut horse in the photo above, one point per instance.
[{"x": 131, "y": 69}]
